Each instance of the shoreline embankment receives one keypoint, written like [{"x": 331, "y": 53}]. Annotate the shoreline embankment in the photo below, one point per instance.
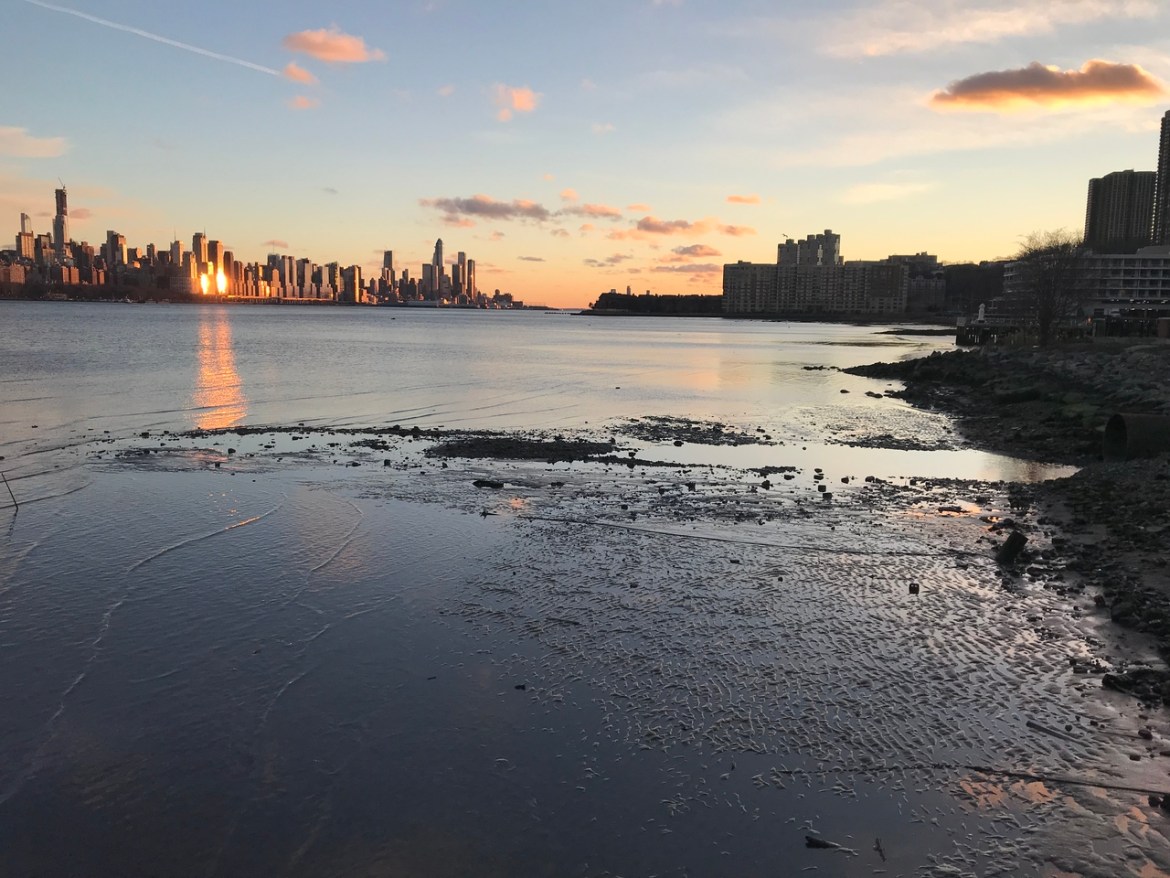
[{"x": 1053, "y": 405}]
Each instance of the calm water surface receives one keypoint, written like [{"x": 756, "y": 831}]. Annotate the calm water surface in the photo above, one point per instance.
[{"x": 275, "y": 663}]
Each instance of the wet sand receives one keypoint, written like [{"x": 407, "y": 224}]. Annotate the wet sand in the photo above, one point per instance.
[{"x": 360, "y": 658}]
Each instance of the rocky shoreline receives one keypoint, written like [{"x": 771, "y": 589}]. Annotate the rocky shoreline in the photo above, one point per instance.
[{"x": 1052, "y": 405}]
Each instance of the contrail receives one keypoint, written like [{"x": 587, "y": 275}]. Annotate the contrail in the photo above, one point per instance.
[{"x": 206, "y": 53}]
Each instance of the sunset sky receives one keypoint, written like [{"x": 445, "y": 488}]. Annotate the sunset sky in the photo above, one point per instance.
[{"x": 571, "y": 147}]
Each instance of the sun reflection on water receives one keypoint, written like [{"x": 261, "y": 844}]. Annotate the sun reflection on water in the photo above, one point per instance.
[{"x": 218, "y": 400}]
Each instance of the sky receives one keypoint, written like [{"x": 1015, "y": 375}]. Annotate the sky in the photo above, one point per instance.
[{"x": 574, "y": 147}]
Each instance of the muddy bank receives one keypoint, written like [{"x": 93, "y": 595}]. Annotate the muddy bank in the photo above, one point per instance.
[
  {"x": 1048, "y": 405},
  {"x": 1114, "y": 518}
]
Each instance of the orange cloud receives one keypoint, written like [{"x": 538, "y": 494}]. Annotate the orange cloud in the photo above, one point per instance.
[
  {"x": 299, "y": 74},
  {"x": 569, "y": 195},
  {"x": 743, "y": 199},
  {"x": 81, "y": 214},
  {"x": 445, "y": 91},
  {"x": 649, "y": 226},
  {"x": 332, "y": 46},
  {"x": 1036, "y": 85},
  {"x": 737, "y": 231},
  {"x": 511, "y": 99},
  {"x": 638, "y": 208},
  {"x": 300, "y": 102},
  {"x": 655, "y": 226}
]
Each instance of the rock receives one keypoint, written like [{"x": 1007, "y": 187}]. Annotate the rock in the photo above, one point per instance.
[
  {"x": 488, "y": 483},
  {"x": 1011, "y": 548}
]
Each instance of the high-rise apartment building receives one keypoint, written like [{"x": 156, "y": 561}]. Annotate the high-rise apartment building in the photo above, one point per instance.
[
  {"x": 469, "y": 281},
  {"x": 815, "y": 250},
  {"x": 1118, "y": 211},
  {"x": 1161, "y": 229}
]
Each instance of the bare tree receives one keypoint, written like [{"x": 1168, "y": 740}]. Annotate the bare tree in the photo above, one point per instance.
[{"x": 1050, "y": 272}]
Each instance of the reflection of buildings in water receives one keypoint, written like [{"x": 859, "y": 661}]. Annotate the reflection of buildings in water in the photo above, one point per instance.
[{"x": 218, "y": 400}]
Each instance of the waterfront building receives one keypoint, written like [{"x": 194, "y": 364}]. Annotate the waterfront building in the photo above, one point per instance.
[
  {"x": 1161, "y": 225},
  {"x": 1119, "y": 211}
]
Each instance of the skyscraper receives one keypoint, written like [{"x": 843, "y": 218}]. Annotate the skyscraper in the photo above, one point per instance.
[
  {"x": 437, "y": 270},
  {"x": 462, "y": 285},
  {"x": 199, "y": 247},
  {"x": 1118, "y": 211},
  {"x": 1161, "y": 231},
  {"x": 61, "y": 224},
  {"x": 25, "y": 224}
]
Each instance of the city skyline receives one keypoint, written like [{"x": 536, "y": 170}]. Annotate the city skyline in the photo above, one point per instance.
[
  {"x": 585, "y": 147},
  {"x": 209, "y": 267}
]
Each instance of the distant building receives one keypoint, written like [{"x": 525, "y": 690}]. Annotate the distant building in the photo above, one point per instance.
[
  {"x": 818, "y": 250},
  {"x": 810, "y": 278},
  {"x": 61, "y": 225},
  {"x": 437, "y": 267},
  {"x": 26, "y": 246},
  {"x": 1161, "y": 226},
  {"x": 199, "y": 248},
  {"x": 1119, "y": 210}
]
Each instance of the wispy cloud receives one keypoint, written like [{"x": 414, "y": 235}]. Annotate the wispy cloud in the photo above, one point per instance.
[
  {"x": 302, "y": 102},
  {"x": 594, "y": 211},
  {"x": 690, "y": 77},
  {"x": 1036, "y": 85},
  {"x": 609, "y": 261},
  {"x": 275, "y": 244},
  {"x": 569, "y": 195},
  {"x": 489, "y": 208},
  {"x": 294, "y": 72},
  {"x": 696, "y": 251},
  {"x": 696, "y": 269},
  {"x": 650, "y": 226},
  {"x": 872, "y": 193},
  {"x": 531, "y": 258},
  {"x": 743, "y": 199},
  {"x": 81, "y": 214},
  {"x": 18, "y": 143},
  {"x": 602, "y": 128},
  {"x": 915, "y": 26},
  {"x": 510, "y": 100},
  {"x": 445, "y": 91},
  {"x": 332, "y": 46},
  {"x": 638, "y": 207},
  {"x": 166, "y": 41}
]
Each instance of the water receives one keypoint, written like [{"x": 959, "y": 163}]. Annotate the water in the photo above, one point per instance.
[{"x": 289, "y": 665}]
